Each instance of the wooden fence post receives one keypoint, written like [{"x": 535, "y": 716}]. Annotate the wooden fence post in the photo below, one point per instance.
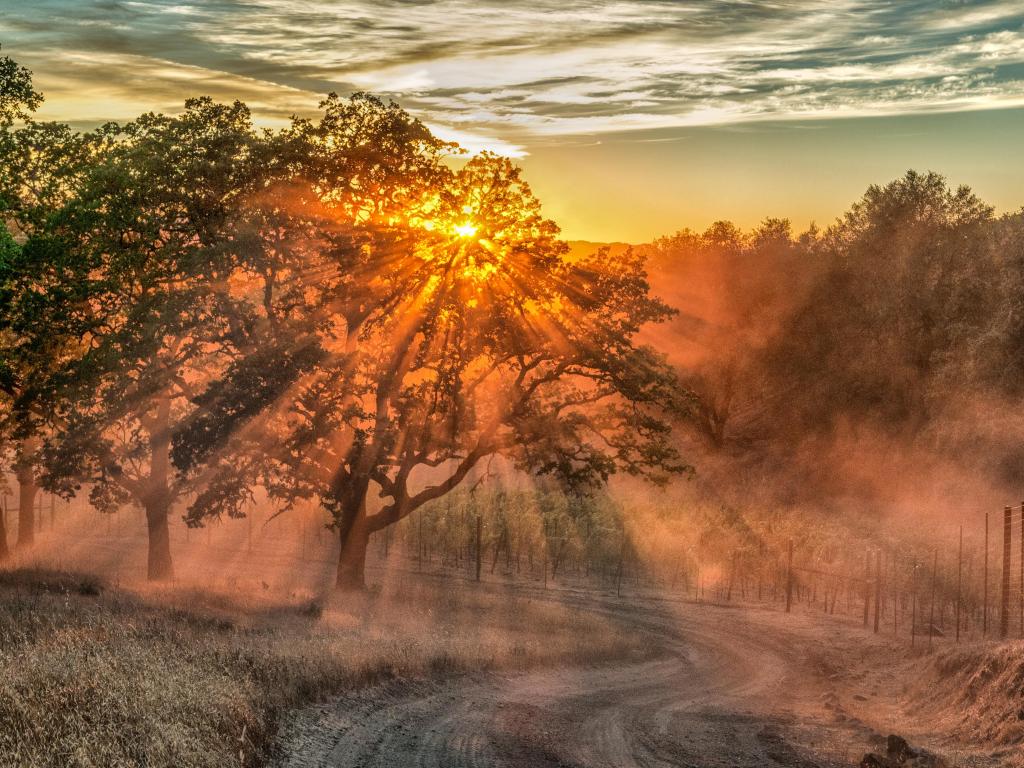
[
  {"x": 984, "y": 609},
  {"x": 895, "y": 599},
  {"x": 1004, "y": 615},
  {"x": 698, "y": 584},
  {"x": 878, "y": 586},
  {"x": 732, "y": 575},
  {"x": 931, "y": 609},
  {"x": 618, "y": 573},
  {"x": 913, "y": 604},
  {"x": 479, "y": 548},
  {"x": 959, "y": 581},
  {"x": 867, "y": 585},
  {"x": 1021, "y": 586},
  {"x": 419, "y": 548},
  {"x": 789, "y": 578}
]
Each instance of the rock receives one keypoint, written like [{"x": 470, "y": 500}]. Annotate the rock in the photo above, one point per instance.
[
  {"x": 899, "y": 754},
  {"x": 871, "y": 760},
  {"x": 896, "y": 748}
]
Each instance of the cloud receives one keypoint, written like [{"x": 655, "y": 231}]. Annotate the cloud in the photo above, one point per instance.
[{"x": 500, "y": 74}]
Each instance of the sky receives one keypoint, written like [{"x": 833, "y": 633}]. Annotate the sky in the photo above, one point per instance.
[{"x": 631, "y": 119}]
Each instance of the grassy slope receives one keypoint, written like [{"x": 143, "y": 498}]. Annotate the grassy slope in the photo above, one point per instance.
[
  {"x": 976, "y": 692},
  {"x": 93, "y": 677}
]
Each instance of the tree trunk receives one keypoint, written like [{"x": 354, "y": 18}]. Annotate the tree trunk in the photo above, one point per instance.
[
  {"x": 157, "y": 500},
  {"x": 27, "y": 490},
  {"x": 352, "y": 558},
  {"x": 4, "y": 551},
  {"x": 159, "y": 565}
]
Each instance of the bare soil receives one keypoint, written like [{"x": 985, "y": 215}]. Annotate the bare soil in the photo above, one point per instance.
[{"x": 744, "y": 687}]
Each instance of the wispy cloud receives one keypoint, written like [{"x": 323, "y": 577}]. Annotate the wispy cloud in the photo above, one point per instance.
[{"x": 505, "y": 74}]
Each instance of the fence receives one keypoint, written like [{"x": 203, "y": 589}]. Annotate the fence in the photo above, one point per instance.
[{"x": 972, "y": 587}]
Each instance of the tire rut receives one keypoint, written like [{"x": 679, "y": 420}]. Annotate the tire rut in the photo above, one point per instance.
[{"x": 725, "y": 691}]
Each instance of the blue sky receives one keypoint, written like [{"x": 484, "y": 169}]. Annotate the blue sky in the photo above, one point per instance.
[{"x": 551, "y": 80}]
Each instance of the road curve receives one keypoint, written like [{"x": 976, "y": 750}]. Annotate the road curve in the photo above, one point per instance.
[{"x": 732, "y": 687}]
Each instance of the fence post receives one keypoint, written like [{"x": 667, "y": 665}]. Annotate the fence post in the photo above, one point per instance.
[
  {"x": 931, "y": 609},
  {"x": 1004, "y": 615},
  {"x": 867, "y": 585},
  {"x": 419, "y": 548},
  {"x": 618, "y": 573},
  {"x": 878, "y": 586},
  {"x": 913, "y": 604},
  {"x": 732, "y": 575},
  {"x": 984, "y": 610},
  {"x": 959, "y": 581},
  {"x": 789, "y": 578},
  {"x": 895, "y": 588},
  {"x": 1021, "y": 587},
  {"x": 479, "y": 539},
  {"x": 698, "y": 584}
]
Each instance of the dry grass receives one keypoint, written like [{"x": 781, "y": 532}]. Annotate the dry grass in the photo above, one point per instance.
[
  {"x": 976, "y": 692},
  {"x": 97, "y": 677}
]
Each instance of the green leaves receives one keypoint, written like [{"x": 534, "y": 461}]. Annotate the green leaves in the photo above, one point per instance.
[{"x": 17, "y": 96}]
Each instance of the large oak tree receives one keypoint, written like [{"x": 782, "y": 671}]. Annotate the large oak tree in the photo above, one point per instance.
[{"x": 456, "y": 332}]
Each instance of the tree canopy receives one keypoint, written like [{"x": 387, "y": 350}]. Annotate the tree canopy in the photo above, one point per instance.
[{"x": 333, "y": 311}]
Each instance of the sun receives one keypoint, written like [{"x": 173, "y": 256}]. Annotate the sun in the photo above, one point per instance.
[{"x": 466, "y": 229}]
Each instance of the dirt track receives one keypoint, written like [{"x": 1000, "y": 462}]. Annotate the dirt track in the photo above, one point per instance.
[{"x": 731, "y": 687}]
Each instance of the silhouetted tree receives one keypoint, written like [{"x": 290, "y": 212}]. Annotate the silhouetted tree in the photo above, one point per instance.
[
  {"x": 161, "y": 223},
  {"x": 19, "y": 148},
  {"x": 462, "y": 334}
]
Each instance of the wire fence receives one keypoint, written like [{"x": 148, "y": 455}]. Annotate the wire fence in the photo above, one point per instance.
[{"x": 970, "y": 587}]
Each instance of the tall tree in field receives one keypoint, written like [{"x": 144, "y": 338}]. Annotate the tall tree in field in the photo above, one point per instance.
[
  {"x": 27, "y": 191},
  {"x": 158, "y": 218},
  {"x": 45, "y": 287},
  {"x": 446, "y": 328},
  {"x": 8, "y": 382}
]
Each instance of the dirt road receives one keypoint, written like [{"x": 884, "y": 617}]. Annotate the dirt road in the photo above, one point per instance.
[{"x": 730, "y": 687}]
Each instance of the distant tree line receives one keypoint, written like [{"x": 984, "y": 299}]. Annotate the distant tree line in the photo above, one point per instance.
[{"x": 905, "y": 317}]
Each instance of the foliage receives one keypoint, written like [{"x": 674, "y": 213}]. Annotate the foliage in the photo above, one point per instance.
[
  {"x": 314, "y": 311},
  {"x": 437, "y": 326},
  {"x": 901, "y": 316}
]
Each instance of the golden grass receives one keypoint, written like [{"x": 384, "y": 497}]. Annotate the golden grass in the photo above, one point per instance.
[{"x": 107, "y": 678}]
